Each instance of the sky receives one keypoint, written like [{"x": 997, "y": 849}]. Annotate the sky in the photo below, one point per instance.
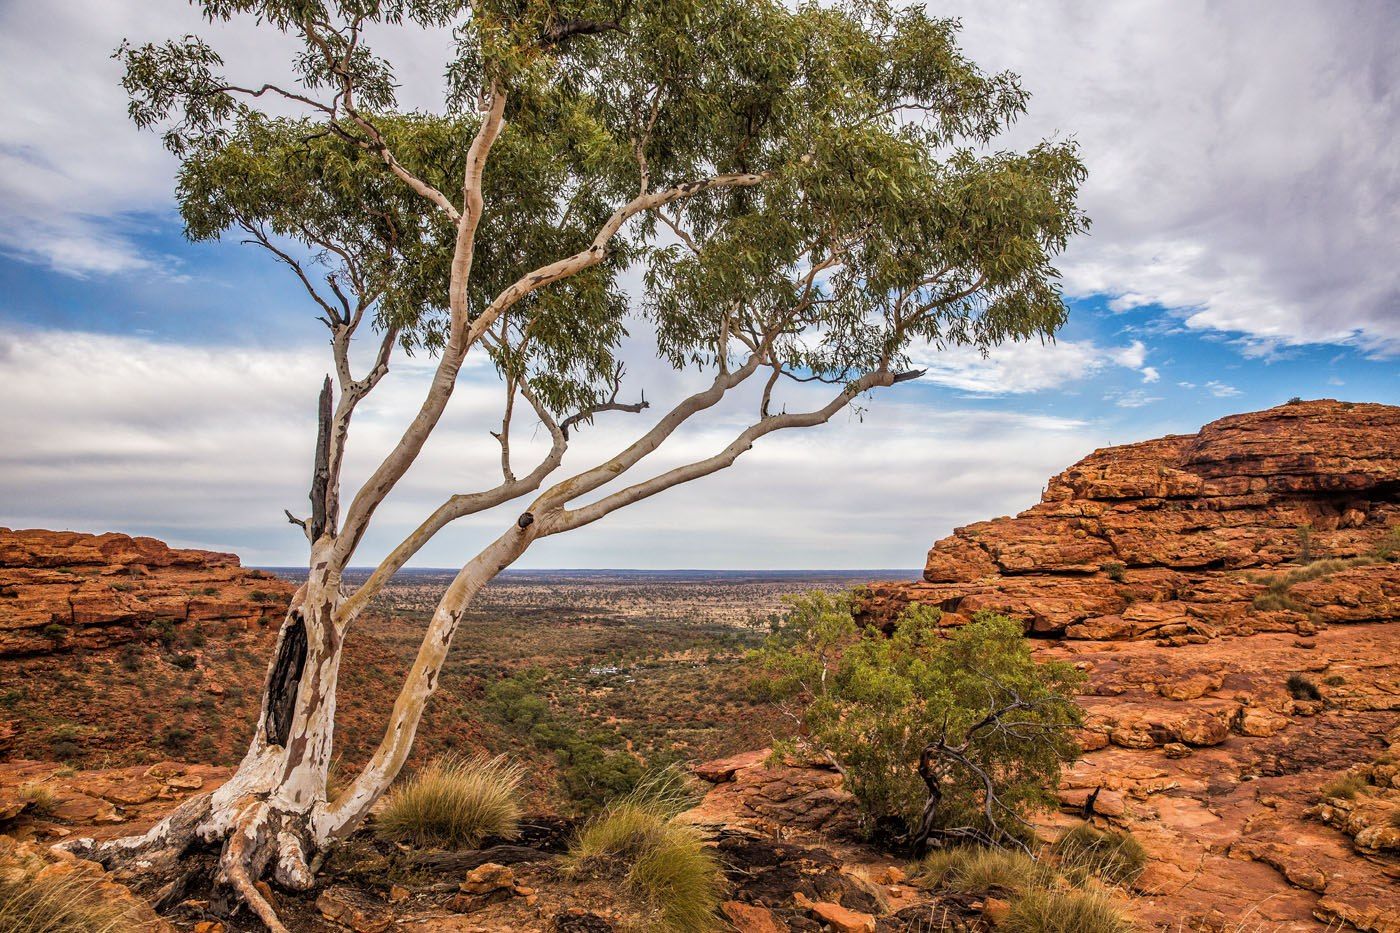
[{"x": 1244, "y": 187}]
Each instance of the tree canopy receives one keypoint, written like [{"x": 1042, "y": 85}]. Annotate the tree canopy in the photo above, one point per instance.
[{"x": 864, "y": 207}]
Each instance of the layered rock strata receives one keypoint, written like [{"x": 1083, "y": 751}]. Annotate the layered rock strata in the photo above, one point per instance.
[
  {"x": 1279, "y": 520},
  {"x": 61, "y": 590}
]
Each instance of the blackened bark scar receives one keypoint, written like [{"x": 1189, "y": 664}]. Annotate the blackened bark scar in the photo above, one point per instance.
[{"x": 284, "y": 681}]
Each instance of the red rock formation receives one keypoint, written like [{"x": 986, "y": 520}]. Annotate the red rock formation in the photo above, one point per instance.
[
  {"x": 60, "y": 590},
  {"x": 1179, "y": 538}
]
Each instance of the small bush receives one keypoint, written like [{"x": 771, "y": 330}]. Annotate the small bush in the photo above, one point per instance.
[
  {"x": 455, "y": 802},
  {"x": 1334, "y": 680},
  {"x": 1115, "y": 570},
  {"x": 55, "y": 632},
  {"x": 185, "y": 662},
  {"x": 175, "y": 737},
  {"x": 1300, "y": 688},
  {"x": 666, "y": 863},
  {"x": 1345, "y": 787},
  {"x": 1114, "y": 856},
  {"x": 63, "y": 904},
  {"x": 1042, "y": 910}
]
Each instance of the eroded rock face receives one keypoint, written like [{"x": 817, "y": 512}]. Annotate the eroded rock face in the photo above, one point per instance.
[
  {"x": 1178, "y": 538},
  {"x": 60, "y": 590}
]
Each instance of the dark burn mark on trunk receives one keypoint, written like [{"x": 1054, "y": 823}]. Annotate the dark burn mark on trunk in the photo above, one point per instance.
[{"x": 282, "y": 685}]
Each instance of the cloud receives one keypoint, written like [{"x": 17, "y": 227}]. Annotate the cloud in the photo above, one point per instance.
[
  {"x": 1133, "y": 398},
  {"x": 1241, "y": 156},
  {"x": 1020, "y": 368},
  {"x": 204, "y": 446},
  {"x": 1221, "y": 390},
  {"x": 79, "y": 184}
]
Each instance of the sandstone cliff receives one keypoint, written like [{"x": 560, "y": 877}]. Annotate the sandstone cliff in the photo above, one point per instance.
[
  {"x": 61, "y": 589},
  {"x": 1191, "y": 536}
]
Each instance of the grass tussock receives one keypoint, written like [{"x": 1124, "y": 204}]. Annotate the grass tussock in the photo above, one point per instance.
[
  {"x": 1041, "y": 910},
  {"x": 1276, "y": 597},
  {"x": 62, "y": 904},
  {"x": 977, "y": 870},
  {"x": 1345, "y": 787},
  {"x": 1114, "y": 856},
  {"x": 455, "y": 803},
  {"x": 41, "y": 800},
  {"x": 664, "y": 864}
]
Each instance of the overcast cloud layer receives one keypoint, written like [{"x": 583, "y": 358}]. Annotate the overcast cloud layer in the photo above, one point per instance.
[{"x": 1245, "y": 192}]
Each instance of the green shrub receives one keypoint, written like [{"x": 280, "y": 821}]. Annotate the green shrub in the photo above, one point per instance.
[
  {"x": 62, "y": 904},
  {"x": 55, "y": 632},
  {"x": 1300, "y": 688},
  {"x": 876, "y": 702},
  {"x": 664, "y": 864},
  {"x": 1112, "y": 855},
  {"x": 175, "y": 737},
  {"x": 185, "y": 662},
  {"x": 455, "y": 802},
  {"x": 1115, "y": 570},
  {"x": 1041, "y": 910}
]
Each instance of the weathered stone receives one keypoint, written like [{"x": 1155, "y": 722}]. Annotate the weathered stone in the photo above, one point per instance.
[
  {"x": 746, "y": 918},
  {"x": 1170, "y": 538}
]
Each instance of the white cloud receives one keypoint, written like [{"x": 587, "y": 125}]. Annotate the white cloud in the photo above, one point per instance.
[
  {"x": 205, "y": 447},
  {"x": 1133, "y": 398},
  {"x": 78, "y": 182},
  {"x": 1221, "y": 389},
  {"x": 1241, "y": 155},
  {"x": 1019, "y": 368},
  {"x": 1150, "y": 374}
]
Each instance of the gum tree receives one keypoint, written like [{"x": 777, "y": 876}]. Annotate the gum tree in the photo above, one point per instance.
[{"x": 807, "y": 194}]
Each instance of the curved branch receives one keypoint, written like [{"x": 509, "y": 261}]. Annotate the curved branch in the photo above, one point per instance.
[{"x": 567, "y": 519}]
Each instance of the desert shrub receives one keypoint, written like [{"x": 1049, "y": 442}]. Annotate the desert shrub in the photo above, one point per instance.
[
  {"x": 1044, "y": 910},
  {"x": 1112, "y": 855},
  {"x": 1334, "y": 680},
  {"x": 878, "y": 702},
  {"x": 10, "y": 698},
  {"x": 1300, "y": 688},
  {"x": 664, "y": 864},
  {"x": 55, "y": 632},
  {"x": 262, "y": 596},
  {"x": 175, "y": 737},
  {"x": 185, "y": 662},
  {"x": 62, "y": 904},
  {"x": 1345, "y": 787},
  {"x": 66, "y": 750},
  {"x": 163, "y": 630},
  {"x": 455, "y": 802},
  {"x": 1115, "y": 570}
]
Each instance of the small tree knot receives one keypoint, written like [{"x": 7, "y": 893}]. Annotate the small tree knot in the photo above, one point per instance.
[{"x": 525, "y": 520}]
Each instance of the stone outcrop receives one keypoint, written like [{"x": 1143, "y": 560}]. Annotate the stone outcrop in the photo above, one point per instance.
[
  {"x": 1190, "y": 536},
  {"x": 60, "y": 590}
]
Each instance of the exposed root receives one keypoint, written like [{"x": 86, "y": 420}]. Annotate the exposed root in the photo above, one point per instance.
[
  {"x": 245, "y": 851},
  {"x": 155, "y": 856}
]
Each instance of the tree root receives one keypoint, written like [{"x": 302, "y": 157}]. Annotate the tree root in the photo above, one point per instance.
[
  {"x": 245, "y": 850},
  {"x": 258, "y": 837}
]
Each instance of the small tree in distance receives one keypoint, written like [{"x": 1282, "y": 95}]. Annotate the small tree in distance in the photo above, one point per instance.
[
  {"x": 808, "y": 191},
  {"x": 942, "y": 734}
]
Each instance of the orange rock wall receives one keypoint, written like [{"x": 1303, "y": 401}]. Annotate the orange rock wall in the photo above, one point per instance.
[
  {"x": 1176, "y": 538},
  {"x": 60, "y": 590}
]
